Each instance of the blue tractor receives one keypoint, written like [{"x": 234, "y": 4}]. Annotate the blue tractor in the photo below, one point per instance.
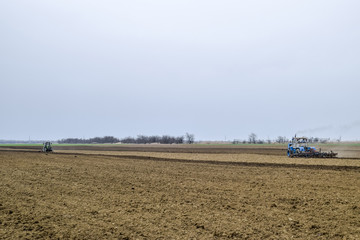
[{"x": 299, "y": 147}]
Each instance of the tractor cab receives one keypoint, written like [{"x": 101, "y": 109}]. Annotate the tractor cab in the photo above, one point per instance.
[{"x": 300, "y": 142}]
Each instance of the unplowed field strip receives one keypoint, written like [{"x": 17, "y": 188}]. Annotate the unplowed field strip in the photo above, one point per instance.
[
  {"x": 249, "y": 164},
  {"x": 274, "y": 150},
  {"x": 237, "y": 159},
  {"x": 225, "y": 159}
]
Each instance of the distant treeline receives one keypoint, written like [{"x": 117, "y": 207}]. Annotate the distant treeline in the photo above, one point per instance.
[
  {"x": 165, "y": 139},
  {"x": 141, "y": 139},
  {"x": 253, "y": 139},
  {"x": 106, "y": 139}
]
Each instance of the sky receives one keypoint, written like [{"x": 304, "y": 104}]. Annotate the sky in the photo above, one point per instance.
[{"x": 217, "y": 69}]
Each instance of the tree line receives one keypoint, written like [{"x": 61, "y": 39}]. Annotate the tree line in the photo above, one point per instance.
[
  {"x": 167, "y": 139},
  {"x": 106, "y": 139},
  {"x": 253, "y": 139},
  {"x": 140, "y": 139}
]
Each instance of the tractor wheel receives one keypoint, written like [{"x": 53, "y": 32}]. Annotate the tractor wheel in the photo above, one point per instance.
[{"x": 290, "y": 154}]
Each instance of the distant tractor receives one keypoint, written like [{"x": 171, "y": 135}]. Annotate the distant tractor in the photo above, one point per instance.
[
  {"x": 299, "y": 147},
  {"x": 47, "y": 147}
]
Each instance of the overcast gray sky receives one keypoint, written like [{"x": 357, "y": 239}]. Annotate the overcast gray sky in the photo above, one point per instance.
[{"x": 213, "y": 68}]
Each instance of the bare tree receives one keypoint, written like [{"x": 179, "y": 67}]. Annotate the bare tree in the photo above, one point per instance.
[
  {"x": 190, "y": 138},
  {"x": 281, "y": 139},
  {"x": 252, "y": 138}
]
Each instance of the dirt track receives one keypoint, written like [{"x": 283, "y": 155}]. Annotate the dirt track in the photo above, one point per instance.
[{"x": 141, "y": 197}]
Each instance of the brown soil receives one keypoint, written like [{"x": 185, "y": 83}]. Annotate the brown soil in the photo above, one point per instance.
[
  {"x": 276, "y": 150},
  {"x": 140, "y": 196},
  {"x": 226, "y": 149}
]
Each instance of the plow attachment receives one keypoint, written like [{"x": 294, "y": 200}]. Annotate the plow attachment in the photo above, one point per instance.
[{"x": 330, "y": 154}]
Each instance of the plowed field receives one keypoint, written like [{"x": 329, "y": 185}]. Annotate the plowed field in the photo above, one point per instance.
[{"x": 108, "y": 194}]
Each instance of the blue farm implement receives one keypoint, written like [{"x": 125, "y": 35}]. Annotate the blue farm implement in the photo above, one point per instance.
[{"x": 299, "y": 147}]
